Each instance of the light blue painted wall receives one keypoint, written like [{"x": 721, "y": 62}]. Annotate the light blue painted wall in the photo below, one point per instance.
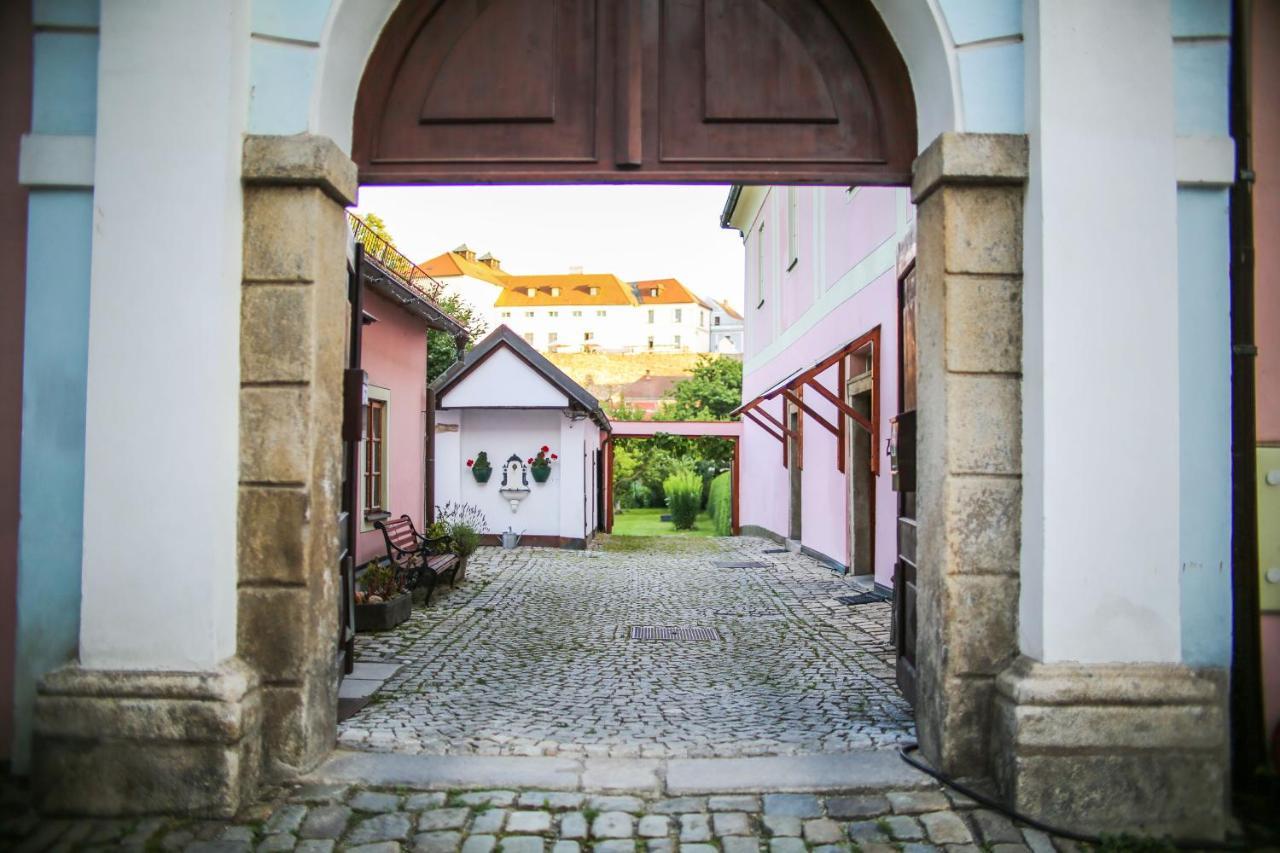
[
  {"x": 65, "y": 83},
  {"x": 1201, "y": 18},
  {"x": 300, "y": 20},
  {"x": 1204, "y": 364},
  {"x": 1201, "y": 72},
  {"x": 992, "y": 81},
  {"x": 977, "y": 20},
  {"x": 282, "y": 75},
  {"x": 65, "y": 13},
  {"x": 55, "y": 362}
]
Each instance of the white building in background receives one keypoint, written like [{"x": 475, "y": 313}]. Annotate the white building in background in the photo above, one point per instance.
[
  {"x": 726, "y": 329},
  {"x": 579, "y": 311}
]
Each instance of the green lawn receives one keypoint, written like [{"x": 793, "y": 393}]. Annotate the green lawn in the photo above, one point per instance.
[{"x": 647, "y": 522}]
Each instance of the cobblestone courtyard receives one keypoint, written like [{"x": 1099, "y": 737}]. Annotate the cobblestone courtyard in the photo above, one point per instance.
[{"x": 531, "y": 656}]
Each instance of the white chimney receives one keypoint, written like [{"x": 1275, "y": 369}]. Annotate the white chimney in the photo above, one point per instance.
[{"x": 575, "y": 270}]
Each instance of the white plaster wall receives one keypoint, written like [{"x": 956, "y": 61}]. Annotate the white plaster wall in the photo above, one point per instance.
[
  {"x": 161, "y": 443},
  {"x": 1100, "y": 543},
  {"x": 503, "y": 380},
  {"x": 501, "y": 433},
  {"x": 450, "y": 463},
  {"x": 621, "y": 328}
]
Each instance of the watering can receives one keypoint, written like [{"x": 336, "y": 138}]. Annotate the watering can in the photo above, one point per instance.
[{"x": 510, "y": 538}]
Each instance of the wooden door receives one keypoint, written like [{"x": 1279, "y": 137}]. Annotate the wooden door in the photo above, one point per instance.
[
  {"x": 795, "y": 471},
  {"x": 635, "y": 91},
  {"x": 860, "y": 481},
  {"x": 904, "y": 577}
]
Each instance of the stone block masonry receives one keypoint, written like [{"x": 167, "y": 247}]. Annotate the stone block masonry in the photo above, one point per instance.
[{"x": 292, "y": 351}]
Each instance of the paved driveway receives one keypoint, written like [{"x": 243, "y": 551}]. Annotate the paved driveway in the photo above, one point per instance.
[{"x": 532, "y": 655}]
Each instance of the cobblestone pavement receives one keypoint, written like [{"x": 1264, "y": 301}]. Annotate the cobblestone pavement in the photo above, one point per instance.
[
  {"x": 321, "y": 818},
  {"x": 531, "y": 656}
]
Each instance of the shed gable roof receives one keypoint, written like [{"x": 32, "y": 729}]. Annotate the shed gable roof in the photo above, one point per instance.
[{"x": 504, "y": 338}]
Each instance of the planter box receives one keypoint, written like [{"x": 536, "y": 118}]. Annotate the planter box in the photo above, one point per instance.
[{"x": 384, "y": 615}]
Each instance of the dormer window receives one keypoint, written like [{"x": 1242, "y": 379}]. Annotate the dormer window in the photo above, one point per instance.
[
  {"x": 555, "y": 291},
  {"x": 653, "y": 291},
  {"x": 530, "y": 291},
  {"x": 594, "y": 291}
]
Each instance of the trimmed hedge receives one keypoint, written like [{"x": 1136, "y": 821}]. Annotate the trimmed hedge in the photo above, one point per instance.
[
  {"x": 720, "y": 504},
  {"x": 684, "y": 498}
]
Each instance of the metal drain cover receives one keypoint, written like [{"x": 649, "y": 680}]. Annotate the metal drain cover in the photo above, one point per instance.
[
  {"x": 862, "y": 598},
  {"x": 739, "y": 564},
  {"x": 774, "y": 551},
  {"x": 651, "y": 632}
]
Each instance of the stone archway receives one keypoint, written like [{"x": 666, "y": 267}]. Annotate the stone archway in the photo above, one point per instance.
[
  {"x": 969, "y": 188},
  {"x": 280, "y": 701}
]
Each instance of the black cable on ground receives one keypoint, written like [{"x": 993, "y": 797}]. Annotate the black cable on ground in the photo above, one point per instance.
[{"x": 905, "y": 750}]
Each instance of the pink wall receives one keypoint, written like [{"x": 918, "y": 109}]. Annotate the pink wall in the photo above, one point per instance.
[
  {"x": 852, "y": 228},
  {"x": 1265, "y": 78},
  {"x": 1266, "y": 212},
  {"x": 394, "y": 353}
]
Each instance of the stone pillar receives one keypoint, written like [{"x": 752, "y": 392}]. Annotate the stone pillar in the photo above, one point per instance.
[
  {"x": 293, "y": 337},
  {"x": 969, "y": 189},
  {"x": 1101, "y": 726},
  {"x": 157, "y": 715}
]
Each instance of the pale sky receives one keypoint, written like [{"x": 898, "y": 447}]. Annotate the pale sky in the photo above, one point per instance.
[{"x": 634, "y": 232}]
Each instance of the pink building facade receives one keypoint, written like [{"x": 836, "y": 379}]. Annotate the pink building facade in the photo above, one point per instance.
[
  {"x": 820, "y": 274},
  {"x": 394, "y": 355}
]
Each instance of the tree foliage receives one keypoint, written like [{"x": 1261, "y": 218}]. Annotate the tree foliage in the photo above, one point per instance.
[
  {"x": 441, "y": 349},
  {"x": 712, "y": 391}
]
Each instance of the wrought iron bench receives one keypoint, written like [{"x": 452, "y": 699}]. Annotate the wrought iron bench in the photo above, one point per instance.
[{"x": 417, "y": 559}]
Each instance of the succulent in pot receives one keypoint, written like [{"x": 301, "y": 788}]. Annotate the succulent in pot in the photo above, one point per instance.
[{"x": 480, "y": 467}]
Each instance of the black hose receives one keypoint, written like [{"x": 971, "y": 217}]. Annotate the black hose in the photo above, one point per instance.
[{"x": 905, "y": 750}]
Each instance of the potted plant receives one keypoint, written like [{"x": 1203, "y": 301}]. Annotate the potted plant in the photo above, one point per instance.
[
  {"x": 540, "y": 465},
  {"x": 383, "y": 603},
  {"x": 480, "y": 467},
  {"x": 465, "y": 523}
]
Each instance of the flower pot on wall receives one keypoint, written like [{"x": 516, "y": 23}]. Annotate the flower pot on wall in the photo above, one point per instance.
[
  {"x": 481, "y": 474},
  {"x": 383, "y": 615},
  {"x": 540, "y": 475}
]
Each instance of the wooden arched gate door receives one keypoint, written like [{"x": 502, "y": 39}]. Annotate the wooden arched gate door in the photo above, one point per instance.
[{"x": 620, "y": 91}]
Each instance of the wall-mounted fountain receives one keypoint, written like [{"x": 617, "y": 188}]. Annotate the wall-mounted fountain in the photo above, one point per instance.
[{"x": 515, "y": 481}]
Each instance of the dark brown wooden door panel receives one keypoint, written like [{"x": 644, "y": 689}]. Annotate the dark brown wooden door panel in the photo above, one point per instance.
[
  {"x": 460, "y": 83},
  {"x": 635, "y": 91}
]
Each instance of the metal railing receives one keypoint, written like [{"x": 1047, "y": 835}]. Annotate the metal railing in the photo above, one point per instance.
[{"x": 389, "y": 258}]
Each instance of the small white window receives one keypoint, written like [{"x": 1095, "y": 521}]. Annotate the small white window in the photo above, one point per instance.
[
  {"x": 552, "y": 337},
  {"x": 651, "y": 342},
  {"x": 679, "y": 315},
  {"x": 677, "y": 341},
  {"x": 528, "y": 336},
  {"x": 586, "y": 336},
  {"x": 651, "y": 313},
  {"x": 653, "y": 291},
  {"x": 577, "y": 313},
  {"x": 555, "y": 291},
  {"x": 553, "y": 313},
  {"x": 528, "y": 313},
  {"x": 716, "y": 322},
  {"x": 506, "y": 313},
  {"x": 601, "y": 313},
  {"x": 530, "y": 291}
]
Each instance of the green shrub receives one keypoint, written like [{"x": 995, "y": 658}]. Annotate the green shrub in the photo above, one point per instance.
[
  {"x": 684, "y": 497},
  {"x": 638, "y": 495},
  {"x": 720, "y": 504}
]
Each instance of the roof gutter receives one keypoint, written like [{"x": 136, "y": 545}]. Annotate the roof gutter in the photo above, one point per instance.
[{"x": 730, "y": 203}]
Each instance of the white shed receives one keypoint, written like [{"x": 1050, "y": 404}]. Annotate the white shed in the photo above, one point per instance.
[{"x": 505, "y": 399}]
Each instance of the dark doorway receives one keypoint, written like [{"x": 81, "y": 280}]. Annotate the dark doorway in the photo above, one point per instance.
[
  {"x": 904, "y": 482},
  {"x": 795, "y": 471}
]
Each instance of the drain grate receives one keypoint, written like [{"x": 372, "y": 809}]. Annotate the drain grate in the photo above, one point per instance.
[
  {"x": 774, "y": 551},
  {"x": 861, "y": 598},
  {"x": 651, "y": 632},
  {"x": 739, "y": 564}
]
